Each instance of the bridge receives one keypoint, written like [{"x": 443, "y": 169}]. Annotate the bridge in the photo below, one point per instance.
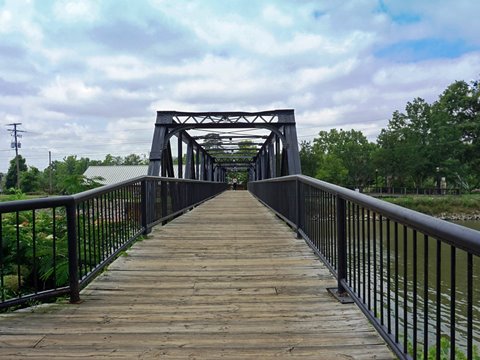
[{"x": 163, "y": 267}]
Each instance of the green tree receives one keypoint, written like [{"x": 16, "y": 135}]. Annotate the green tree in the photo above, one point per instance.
[
  {"x": 134, "y": 159},
  {"x": 308, "y": 159},
  {"x": 404, "y": 154},
  {"x": 30, "y": 180},
  {"x": 11, "y": 178},
  {"x": 112, "y": 160},
  {"x": 456, "y": 130},
  {"x": 350, "y": 150},
  {"x": 68, "y": 175}
]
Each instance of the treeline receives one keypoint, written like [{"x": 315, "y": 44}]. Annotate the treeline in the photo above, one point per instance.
[
  {"x": 62, "y": 177},
  {"x": 419, "y": 146}
]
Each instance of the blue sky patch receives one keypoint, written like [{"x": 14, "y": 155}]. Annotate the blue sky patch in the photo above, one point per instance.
[{"x": 424, "y": 49}]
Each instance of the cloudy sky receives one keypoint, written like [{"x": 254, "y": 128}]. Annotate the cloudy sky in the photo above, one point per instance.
[{"x": 85, "y": 77}]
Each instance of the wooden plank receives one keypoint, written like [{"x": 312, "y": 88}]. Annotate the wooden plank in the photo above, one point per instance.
[{"x": 226, "y": 280}]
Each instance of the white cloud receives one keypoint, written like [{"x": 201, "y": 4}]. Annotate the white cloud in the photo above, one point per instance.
[
  {"x": 433, "y": 71},
  {"x": 65, "y": 90},
  {"x": 122, "y": 67},
  {"x": 76, "y": 11},
  {"x": 5, "y": 20},
  {"x": 275, "y": 15},
  {"x": 310, "y": 76}
]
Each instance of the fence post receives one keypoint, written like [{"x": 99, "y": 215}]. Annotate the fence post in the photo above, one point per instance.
[
  {"x": 341, "y": 246},
  {"x": 72, "y": 251}
]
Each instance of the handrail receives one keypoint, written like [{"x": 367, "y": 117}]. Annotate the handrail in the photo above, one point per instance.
[
  {"x": 384, "y": 257},
  {"x": 459, "y": 236},
  {"x": 75, "y": 236}
]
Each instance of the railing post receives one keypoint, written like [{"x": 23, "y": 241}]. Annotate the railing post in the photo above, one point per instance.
[
  {"x": 341, "y": 246},
  {"x": 144, "y": 206},
  {"x": 72, "y": 251}
]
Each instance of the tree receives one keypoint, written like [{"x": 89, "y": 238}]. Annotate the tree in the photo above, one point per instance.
[
  {"x": 68, "y": 175},
  {"x": 11, "y": 178},
  {"x": 404, "y": 155},
  {"x": 457, "y": 131},
  {"x": 350, "y": 150},
  {"x": 134, "y": 159},
  {"x": 30, "y": 180},
  {"x": 308, "y": 159}
]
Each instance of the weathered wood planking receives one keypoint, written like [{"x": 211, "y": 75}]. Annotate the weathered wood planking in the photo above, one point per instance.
[{"x": 226, "y": 280}]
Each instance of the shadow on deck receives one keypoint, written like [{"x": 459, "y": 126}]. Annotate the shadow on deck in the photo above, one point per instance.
[{"x": 226, "y": 280}]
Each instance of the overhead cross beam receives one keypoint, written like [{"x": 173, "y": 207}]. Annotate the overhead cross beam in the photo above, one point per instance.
[{"x": 277, "y": 156}]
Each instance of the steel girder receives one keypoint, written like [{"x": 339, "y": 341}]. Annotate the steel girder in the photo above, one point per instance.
[{"x": 277, "y": 156}]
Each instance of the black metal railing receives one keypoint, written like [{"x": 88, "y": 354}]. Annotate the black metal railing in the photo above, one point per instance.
[
  {"x": 415, "y": 277},
  {"x": 55, "y": 246}
]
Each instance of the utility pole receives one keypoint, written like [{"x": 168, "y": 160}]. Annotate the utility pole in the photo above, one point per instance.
[
  {"x": 50, "y": 171},
  {"x": 16, "y": 144}
]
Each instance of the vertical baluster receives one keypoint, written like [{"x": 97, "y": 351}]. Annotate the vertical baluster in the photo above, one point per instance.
[
  {"x": 115, "y": 219},
  {"x": 414, "y": 280},
  {"x": 91, "y": 261},
  {"x": 54, "y": 247},
  {"x": 374, "y": 238},
  {"x": 369, "y": 274},
  {"x": 438, "y": 300},
  {"x": 84, "y": 232},
  {"x": 359, "y": 267},
  {"x": 34, "y": 252},
  {"x": 98, "y": 229},
  {"x": 405, "y": 289},
  {"x": 469, "y": 306},
  {"x": 453, "y": 289},
  {"x": 380, "y": 229},
  {"x": 79, "y": 243},
  {"x": 396, "y": 279},
  {"x": 2, "y": 262},
  {"x": 17, "y": 233},
  {"x": 351, "y": 279},
  {"x": 322, "y": 222},
  {"x": 335, "y": 234},
  {"x": 425, "y": 295},
  {"x": 388, "y": 264},
  {"x": 364, "y": 272}
]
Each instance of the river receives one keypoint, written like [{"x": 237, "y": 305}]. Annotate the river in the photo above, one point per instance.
[{"x": 407, "y": 256}]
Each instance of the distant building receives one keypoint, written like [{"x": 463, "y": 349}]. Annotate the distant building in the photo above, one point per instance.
[{"x": 112, "y": 174}]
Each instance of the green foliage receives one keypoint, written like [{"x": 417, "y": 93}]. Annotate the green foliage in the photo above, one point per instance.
[
  {"x": 30, "y": 180},
  {"x": 445, "y": 349},
  {"x": 308, "y": 159},
  {"x": 439, "y": 205},
  {"x": 11, "y": 178},
  {"x": 338, "y": 156},
  {"x": 34, "y": 256},
  {"x": 443, "y": 135}
]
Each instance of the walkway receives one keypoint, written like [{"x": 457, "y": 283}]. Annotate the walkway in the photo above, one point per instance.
[{"x": 226, "y": 280}]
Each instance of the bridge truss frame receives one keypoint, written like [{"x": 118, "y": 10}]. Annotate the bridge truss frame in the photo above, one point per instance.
[{"x": 276, "y": 155}]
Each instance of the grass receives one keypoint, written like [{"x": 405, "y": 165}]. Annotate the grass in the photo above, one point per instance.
[
  {"x": 439, "y": 205},
  {"x": 12, "y": 197}
]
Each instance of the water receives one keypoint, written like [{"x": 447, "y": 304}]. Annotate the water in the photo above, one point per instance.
[
  {"x": 472, "y": 224},
  {"x": 411, "y": 252}
]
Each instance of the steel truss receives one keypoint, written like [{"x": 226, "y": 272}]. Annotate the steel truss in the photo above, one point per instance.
[{"x": 210, "y": 160}]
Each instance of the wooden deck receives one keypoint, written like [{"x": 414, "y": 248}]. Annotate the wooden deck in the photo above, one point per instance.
[{"x": 226, "y": 280}]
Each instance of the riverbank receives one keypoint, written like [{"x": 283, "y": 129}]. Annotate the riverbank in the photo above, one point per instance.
[{"x": 447, "y": 207}]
